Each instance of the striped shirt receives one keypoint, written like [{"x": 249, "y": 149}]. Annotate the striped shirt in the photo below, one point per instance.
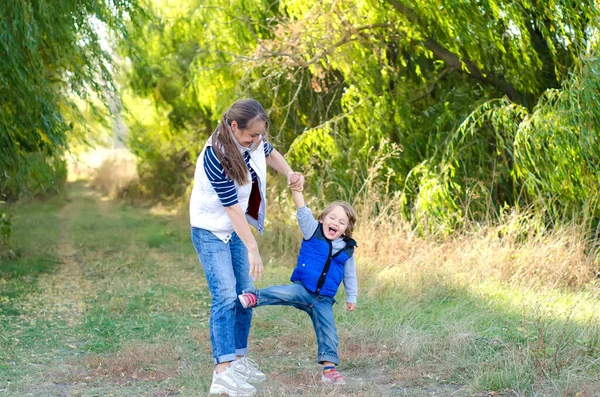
[{"x": 224, "y": 186}]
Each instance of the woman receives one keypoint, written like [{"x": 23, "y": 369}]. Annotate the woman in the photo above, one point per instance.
[{"x": 229, "y": 196}]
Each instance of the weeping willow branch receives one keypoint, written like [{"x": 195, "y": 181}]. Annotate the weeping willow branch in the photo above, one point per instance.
[
  {"x": 431, "y": 86},
  {"x": 456, "y": 62}
]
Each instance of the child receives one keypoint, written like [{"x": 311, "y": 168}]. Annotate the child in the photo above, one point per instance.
[{"x": 325, "y": 260}]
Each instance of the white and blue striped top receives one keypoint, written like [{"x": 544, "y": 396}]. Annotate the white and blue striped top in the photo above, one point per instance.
[{"x": 224, "y": 186}]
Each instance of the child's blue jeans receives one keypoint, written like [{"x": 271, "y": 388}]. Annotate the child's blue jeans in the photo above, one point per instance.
[
  {"x": 227, "y": 269},
  {"x": 318, "y": 307}
]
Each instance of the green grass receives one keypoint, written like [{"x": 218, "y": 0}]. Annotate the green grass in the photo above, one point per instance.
[
  {"x": 108, "y": 299},
  {"x": 34, "y": 243}
]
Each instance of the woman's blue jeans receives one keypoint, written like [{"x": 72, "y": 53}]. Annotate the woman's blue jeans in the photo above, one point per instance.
[
  {"x": 227, "y": 269},
  {"x": 318, "y": 307}
]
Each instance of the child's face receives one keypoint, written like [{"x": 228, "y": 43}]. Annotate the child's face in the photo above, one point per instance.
[{"x": 335, "y": 223}]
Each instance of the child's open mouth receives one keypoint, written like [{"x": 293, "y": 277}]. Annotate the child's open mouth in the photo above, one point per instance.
[{"x": 332, "y": 231}]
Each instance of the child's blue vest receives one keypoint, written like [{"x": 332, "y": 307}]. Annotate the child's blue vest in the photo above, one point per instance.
[{"x": 319, "y": 270}]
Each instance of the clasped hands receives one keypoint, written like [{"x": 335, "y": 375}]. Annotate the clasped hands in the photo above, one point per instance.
[{"x": 296, "y": 181}]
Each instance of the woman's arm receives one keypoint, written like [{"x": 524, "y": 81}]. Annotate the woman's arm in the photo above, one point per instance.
[
  {"x": 242, "y": 228},
  {"x": 276, "y": 161}
]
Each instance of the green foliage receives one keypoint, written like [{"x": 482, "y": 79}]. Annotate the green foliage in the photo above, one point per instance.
[
  {"x": 5, "y": 225},
  {"x": 164, "y": 163},
  {"x": 435, "y": 209},
  {"x": 557, "y": 150},
  {"x": 36, "y": 175},
  {"x": 33, "y": 176},
  {"x": 505, "y": 154},
  {"x": 51, "y": 52},
  {"x": 480, "y": 104}
]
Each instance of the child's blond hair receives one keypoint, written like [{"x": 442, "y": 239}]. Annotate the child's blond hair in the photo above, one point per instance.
[{"x": 350, "y": 213}]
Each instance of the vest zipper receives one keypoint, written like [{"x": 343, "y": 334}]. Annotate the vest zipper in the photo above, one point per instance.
[{"x": 323, "y": 275}]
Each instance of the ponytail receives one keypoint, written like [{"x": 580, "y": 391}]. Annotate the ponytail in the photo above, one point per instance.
[
  {"x": 244, "y": 112},
  {"x": 228, "y": 153}
]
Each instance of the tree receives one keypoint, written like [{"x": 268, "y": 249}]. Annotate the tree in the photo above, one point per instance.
[
  {"x": 51, "y": 52},
  {"x": 348, "y": 82}
]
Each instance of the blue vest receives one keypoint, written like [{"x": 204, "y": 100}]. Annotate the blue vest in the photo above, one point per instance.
[{"x": 319, "y": 270}]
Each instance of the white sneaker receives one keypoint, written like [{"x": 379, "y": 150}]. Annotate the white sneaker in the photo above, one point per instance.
[
  {"x": 230, "y": 383},
  {"x": 248, "y": 370}
]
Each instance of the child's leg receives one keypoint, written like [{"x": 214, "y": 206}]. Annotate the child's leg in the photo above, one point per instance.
[
  {"x": 287, "y": 295},
  {"x": 327, "y": 338}
]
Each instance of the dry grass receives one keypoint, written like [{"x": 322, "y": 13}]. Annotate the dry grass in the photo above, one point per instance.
[
  {"x": 557, "y": 258},
  {"x": 133, "y": 363}
]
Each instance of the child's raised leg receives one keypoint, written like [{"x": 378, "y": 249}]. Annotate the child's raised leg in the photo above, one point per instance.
[{"x": 286, "y": 295}]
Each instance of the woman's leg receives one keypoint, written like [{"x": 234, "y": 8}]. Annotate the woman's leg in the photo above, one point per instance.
[
  {"x": 215, "y": 256},
  {"x": 243, "y": 282}
]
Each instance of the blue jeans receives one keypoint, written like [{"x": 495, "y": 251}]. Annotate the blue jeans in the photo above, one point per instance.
[
  {"x": 318, "y": 307},
  {"x": 227, "y": 269}
]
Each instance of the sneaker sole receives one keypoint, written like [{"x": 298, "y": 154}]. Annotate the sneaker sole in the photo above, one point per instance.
[
  {"x": 243, "y": 302},
  {"x": 328, "y": 381},
  {"x": 256, "y": 380},
  {"x": 220, "y": 390}
]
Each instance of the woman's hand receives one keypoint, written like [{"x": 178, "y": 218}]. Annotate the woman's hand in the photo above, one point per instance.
[
  {"x": 296, "y": 181},
  {"x": 256, "y": 265}
]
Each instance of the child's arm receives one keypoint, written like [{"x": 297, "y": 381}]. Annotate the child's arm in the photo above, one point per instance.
[
  {"x": 307, "y": 222},
  {"x": 298, "y": 198},
  {"x": 350, "y": 284}
]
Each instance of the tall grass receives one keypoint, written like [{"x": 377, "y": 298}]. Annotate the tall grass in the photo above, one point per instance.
[{"x": 563, "y": 257}]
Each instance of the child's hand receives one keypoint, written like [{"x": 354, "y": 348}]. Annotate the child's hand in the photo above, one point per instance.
[
  {"x": 350, "y": 306},
  {"x": 294, "y": 178}
]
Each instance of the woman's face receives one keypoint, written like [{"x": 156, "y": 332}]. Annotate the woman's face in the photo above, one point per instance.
[{"x": 250, "y": 135}]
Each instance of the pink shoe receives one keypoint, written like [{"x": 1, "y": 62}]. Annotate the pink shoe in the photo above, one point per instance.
[
  {"x": 248, "y": 300},
  {"x": 332, "y": 377}
]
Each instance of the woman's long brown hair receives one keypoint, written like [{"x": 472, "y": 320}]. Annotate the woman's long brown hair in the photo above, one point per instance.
[{"x": 244, "y": 112}]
